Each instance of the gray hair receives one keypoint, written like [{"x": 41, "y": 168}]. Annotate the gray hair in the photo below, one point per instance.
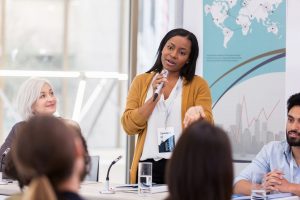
[{"x": 28, "y": 94}]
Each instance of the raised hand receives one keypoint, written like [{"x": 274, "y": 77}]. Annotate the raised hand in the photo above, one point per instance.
[{"x": 192, "y": 114}]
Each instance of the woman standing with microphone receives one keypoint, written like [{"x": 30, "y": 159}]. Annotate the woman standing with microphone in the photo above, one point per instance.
[{"x": 184, "y": 98}]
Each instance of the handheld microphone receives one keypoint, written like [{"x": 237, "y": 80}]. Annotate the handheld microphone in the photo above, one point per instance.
[
  {"x": 106, "y": 189},
  {"x": 164, "y": 72}
]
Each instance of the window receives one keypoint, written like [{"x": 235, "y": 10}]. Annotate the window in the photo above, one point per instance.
[{"x": 71, "y": 35}]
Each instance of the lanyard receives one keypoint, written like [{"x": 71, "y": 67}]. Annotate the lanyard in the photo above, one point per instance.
[{"x": 168, "y": 109}]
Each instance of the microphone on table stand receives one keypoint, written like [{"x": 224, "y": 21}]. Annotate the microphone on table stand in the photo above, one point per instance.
[
  {"x": 106, "y": 189},
  {"x": 2, "y": 182}
]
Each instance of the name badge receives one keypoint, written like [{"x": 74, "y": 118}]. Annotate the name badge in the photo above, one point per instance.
[{"x": 166, "y": 139}]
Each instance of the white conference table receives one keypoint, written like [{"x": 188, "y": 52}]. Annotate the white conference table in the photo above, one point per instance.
[
  {"x": 283, "y": 198},
  {"x": 290, "y": 198},
  {"x": 91, "y": 191}
]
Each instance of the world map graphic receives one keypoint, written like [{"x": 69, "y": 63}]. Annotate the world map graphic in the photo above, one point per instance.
[{"x": 231, "y": 16}]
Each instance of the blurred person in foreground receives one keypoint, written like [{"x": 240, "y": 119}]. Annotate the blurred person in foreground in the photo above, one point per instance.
[
  {"x": 10, "y": 170},
  {"x": 50, "y": 157},
  {"x": 278, "y": 160},
  {"x": 201, "y": 165},
  {"x": 158, "y": 118}
]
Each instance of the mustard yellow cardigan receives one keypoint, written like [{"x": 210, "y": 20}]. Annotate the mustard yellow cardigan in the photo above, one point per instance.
[{"x": 195, "y": 93}]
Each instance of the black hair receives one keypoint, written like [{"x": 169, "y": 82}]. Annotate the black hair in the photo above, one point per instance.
[{"x": 294, "y": 100}]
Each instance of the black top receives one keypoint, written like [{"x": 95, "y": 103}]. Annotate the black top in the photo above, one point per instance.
[
  {"x": 12, "y": 134},
  {"x": 9, "y": 139},
  {"x": 68, "y": 196}
]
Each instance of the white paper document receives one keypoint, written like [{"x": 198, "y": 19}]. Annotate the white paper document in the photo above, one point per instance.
[
  {"x": 269, "y": 196},
  {"x": 156, "y": 188}
]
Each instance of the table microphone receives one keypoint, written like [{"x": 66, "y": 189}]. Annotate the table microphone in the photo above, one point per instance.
[
  {"x": 3, "y": 156},
  {"x": 164, "y": 72},
  {"x": 2, "y": 182},
  {"x": 106, "y": 189}
]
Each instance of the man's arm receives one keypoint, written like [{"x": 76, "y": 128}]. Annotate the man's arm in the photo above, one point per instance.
[
  {"x": 260, "y": 164},
  {"x": 281, "y": 184},
  {"x": 292, "y": 188},
  {"x": 242, "y": 187}
]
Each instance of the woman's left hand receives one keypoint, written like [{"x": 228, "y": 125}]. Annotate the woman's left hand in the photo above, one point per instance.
[{"x": 192, "y": 114}]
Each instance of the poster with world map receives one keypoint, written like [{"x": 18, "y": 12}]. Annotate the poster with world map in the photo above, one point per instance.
[{"x": 244, "y": 63}]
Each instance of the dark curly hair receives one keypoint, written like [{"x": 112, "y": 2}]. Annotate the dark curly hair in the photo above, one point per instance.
[{"x": 294, "y": 100}]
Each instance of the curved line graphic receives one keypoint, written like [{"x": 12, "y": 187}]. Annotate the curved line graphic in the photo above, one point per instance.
[
  {"x": 247, "y": 61},
  {"x": 249, "y": 72}
]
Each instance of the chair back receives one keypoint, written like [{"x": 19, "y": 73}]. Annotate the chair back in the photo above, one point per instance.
[{"x": 94, "y": 172}]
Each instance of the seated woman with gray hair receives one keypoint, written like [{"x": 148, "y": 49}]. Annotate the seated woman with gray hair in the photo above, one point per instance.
[{"x": 35, "y": 97}]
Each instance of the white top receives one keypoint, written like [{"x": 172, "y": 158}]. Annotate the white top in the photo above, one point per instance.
[{"x": 167, "y": 113}]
